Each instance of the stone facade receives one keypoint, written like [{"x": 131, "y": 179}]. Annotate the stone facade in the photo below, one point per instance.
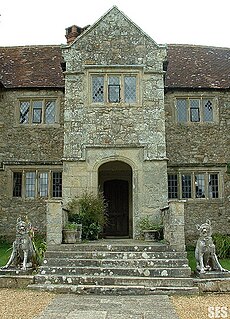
[{"x": 129, "y": 145}]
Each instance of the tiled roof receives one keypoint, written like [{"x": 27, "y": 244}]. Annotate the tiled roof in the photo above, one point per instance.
[
  {"x": 191, "y": 66},
  {"x": 31, "y": 66}
]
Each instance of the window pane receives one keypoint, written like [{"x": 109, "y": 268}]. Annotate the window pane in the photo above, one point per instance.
[
  {"x": 130, "y": 89},
  {"x": 43, "y": 184},
  {"x": 181, "y": 110},
  {"x": 186, "y": 186},
  {"x": 57, "y": 184},
  {"x": 213, "y": 186},
  {"x": 195, "y": 110},
  {"x": 37, "y": 111},
  {"x": 207, "y": 111},
  {"x": 97, "y": 88},
  {"x": 200, "y": 186},
  {"x": 50, "y": 112},
  {"x": 30, "y": 184},
  {"x": 172, "y": 186},
  {"x": 114, "y": 89},
  {"x": 24, "y": 112},
  {"x": 17, "y": 184}
]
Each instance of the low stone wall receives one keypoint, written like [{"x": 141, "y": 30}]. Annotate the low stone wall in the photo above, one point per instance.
[{"x": 214, "y": 285}]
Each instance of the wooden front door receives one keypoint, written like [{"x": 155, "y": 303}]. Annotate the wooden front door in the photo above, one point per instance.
[{"x": 116, "y": 193}]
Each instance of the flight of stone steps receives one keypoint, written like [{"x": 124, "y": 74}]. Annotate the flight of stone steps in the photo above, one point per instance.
[{"x": 114, "y": 267}]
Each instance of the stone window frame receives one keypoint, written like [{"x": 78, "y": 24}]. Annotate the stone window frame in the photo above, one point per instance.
[
  {"x": 121, "y": 71},
  {"x": 201, "y": 98},
  {"x": 193, "y": 172},
  {"x": 44, "y": 100},
  {"x": 37, "y": 171}
]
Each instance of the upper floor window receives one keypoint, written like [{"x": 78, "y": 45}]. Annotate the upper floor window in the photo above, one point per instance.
[
  {"x": 37, "y": 111},
  {"x": 114, "y": 88},
  {"x": 35, "y": 183},
  {"x": 185, "y": 185},
  {"x": 194, "y": 110}
]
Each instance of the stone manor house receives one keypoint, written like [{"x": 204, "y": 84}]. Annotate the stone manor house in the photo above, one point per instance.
[{"x": 147, "y": 123}]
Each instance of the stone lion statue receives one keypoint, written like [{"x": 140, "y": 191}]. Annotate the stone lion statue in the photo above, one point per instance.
[
  {"x": 23, "y": 254},
  {"x": 205, "y": 253}
]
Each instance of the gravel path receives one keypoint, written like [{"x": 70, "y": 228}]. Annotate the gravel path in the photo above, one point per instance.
[{"x": 26, "y": 304}]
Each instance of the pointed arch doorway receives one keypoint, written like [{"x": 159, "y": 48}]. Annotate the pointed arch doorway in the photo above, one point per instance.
[{"x": 115, "y": 180}]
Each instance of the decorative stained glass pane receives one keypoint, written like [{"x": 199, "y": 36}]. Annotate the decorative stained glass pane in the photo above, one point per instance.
[
  {"x": 186, "y": 186},
  {"x": 43, "y": 184},
  {"x": 24, "y": 112},
  {"x": 114, "y": 89},
  {"x": 181, "y": 110},
  {"x": 97, "y": 88},
  {"x": 200, "y": 186},
  {"x": 207, "y": 111},
  {"x": 50, "y": 111},
  {"x": 37, "y": 111},
  {"x": 17, "y": 184},
  {"x": 57, "y": 184},
  {"x": 172, "y": 186},
  {"x": 130, "y": 89},
  {"x": 30, "y": 184},
  {"x": 213, "y": 186}
]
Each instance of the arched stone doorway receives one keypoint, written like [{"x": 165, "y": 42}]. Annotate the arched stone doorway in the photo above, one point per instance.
[{"x": 115, "y": 180}]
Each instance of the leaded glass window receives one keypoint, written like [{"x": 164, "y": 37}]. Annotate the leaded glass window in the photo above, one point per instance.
[
  {"x": 37, "y": 111},
  {"x": 57, "y": 184},
  {"x": 50, "y": 111},
  {"x": 172, "y": 186},
  {"x": 30, "y": 184},
  {"x": 208, "y": 111},
  {"x": 17, "y": 184},
  {"x": 195, "y": 110},
  {"x": 24, "y": 112},
  {"x": 186, "y": 186},
  {"x": 200, "y": 185},
  {"x": 130, "y": 89},
  {"x": 213, "y": 186},
  {"x": 98, "y": 88},
  {"x": 114, "y": 89},
  {"x": 43, "y": 184},
  {"x": 181, "y": 110}
]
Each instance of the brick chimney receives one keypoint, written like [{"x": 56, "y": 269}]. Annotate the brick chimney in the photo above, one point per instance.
[{"x": 73, "y": 32}]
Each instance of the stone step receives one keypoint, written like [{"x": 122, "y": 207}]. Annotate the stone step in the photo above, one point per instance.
[
  {"x": 118, "y": 271},
  {"x": 114, "y": 255},
  {"x": 114, "y": 290},
  {"x": 113, "y": 280},
  {"x": 75, "y": 262},
  {"x": 139, "y": 246}
]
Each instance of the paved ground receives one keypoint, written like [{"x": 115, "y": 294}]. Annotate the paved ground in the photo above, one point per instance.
[{"x": 109, "y": 307}]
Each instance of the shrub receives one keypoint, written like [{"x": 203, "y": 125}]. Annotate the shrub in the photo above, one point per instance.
[
  {"x": 90, "y": 211},
  {"x": 222, "y": 243}
]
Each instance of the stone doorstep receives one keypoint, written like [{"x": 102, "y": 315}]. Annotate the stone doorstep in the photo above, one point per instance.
[{"x": 114, "y": 290}]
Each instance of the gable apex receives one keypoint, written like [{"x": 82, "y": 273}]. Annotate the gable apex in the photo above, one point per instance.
[{"x": 114, "y": 11}]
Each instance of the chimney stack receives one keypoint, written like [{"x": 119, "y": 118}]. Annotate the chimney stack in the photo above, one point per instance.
[{"x": 73, "y": 32}]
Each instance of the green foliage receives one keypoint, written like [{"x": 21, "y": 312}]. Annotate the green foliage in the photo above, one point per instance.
[
  {"x": 5, "y": 251},
  {"x": 222, "y": 243},
  {"x": 90, "y": 211},
  {"x": 146, "y": 224},
  {"x": 73, "y": 226}
]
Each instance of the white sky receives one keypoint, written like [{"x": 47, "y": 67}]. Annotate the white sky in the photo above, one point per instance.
[{"x": 30, "y": 22}]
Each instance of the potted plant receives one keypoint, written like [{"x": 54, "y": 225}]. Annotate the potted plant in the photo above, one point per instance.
[
  {"x": 90, "y": 211},
  {"x": 150, "y": 230},
  {"x": 72, "y": 233}
]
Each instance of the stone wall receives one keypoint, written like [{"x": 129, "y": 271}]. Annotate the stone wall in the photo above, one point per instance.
[
  {"x": 203, "y": 146},
  {"x": 36, "y": 147}
]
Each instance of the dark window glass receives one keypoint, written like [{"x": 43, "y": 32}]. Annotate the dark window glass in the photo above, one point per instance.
[
  {"x": 172, "y": 186},
  {"x": 57, "y": 184},
  {"x": 17, "y": 184}
]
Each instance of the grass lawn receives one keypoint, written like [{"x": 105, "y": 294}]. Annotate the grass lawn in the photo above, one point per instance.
[
  {"x": 225, "y": 263},
  {"x": 5, "y": 251}
]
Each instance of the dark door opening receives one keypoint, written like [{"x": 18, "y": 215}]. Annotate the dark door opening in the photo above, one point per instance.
[{"x": 116, "y": 193}]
